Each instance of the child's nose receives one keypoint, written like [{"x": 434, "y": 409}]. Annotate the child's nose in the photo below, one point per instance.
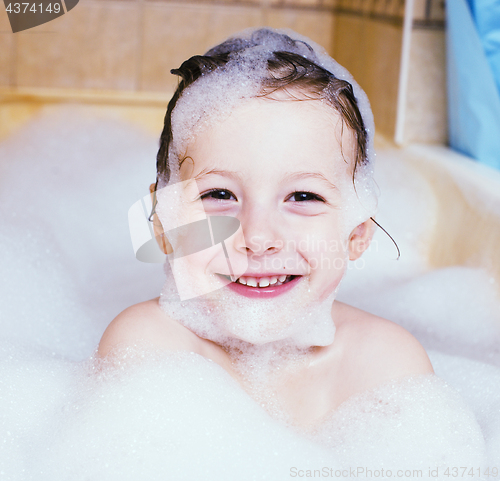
[{"x": 261, "y": 233}]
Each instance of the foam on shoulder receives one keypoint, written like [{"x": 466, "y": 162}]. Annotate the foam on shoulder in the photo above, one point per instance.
[{"x": 417, "y": 422}]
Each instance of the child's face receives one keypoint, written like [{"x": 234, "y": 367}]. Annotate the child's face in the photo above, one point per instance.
[{"x": 284, "y": 169}]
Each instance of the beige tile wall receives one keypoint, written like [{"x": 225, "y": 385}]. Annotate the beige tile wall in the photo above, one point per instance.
[
  {"x": 6, "y": 49},
  {"x": 317, "y": 25},
  {"x": 368, "y": 39},
  {"x": 371, "y": 51},
  {"x": 93, "y": 46},
  {"x": 133, "y": 44},
  {"x": 426, "y": 103},
  {"x": 428, "y": 11},
  {"x": 167, "y": 41},
  {"x": 426, "y": 106}
]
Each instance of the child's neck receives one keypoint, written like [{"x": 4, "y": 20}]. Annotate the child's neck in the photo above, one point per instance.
[{"x": 269, "y": 372}]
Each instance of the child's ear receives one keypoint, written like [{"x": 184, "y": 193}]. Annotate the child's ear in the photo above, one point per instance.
[
  {"x": 163, "y": 242},
  {"x": 360, "y": 239}
]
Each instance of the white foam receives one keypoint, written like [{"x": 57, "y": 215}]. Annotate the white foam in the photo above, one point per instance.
[
  {"x": 66, "y": 180},
  {"x": 228, "y": 318},
  {"x": 181, "y": 416},
  {"x": 160, "y": 417},
  {"x": 433, "y": 425},
  {"x": 455, "y": 309}
]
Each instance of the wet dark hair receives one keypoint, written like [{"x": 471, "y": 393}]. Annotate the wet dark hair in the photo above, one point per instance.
[{"x": 292, "y": 70}]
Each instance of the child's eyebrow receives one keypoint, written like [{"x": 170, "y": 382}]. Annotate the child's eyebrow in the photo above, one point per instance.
[
  {"x": 226, "y": 173},
  {"x": 309, "y": 175}
]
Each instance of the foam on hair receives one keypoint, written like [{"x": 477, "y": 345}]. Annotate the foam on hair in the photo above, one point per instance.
[
  {"x": 217, "y": 92},
  {"x": 220, "y": 88}
]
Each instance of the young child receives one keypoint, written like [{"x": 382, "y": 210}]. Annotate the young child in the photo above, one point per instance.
[{"x": 267, "y": 129}]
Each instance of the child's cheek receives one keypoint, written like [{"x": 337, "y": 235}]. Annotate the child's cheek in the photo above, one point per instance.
[
  {"x": 330, "y": 285},
  {"x": 327, "y": 259},
  {"x": 190, "y": 275}
]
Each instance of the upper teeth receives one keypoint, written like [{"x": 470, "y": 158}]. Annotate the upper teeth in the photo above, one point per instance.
[{"x": 262, "y": 281}]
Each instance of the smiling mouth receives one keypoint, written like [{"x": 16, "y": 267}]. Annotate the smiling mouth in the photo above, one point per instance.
[
  {"x": 262, "y": 286},
  {"x": 262, "y": 282}
]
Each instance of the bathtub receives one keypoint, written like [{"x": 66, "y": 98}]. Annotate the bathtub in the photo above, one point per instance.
[{"x": 72, "y": 163}]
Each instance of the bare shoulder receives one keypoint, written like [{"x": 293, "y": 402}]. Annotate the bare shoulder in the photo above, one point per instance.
[
  {"x": 145, "y": 324},
  {"x": 376, "y": 350}
]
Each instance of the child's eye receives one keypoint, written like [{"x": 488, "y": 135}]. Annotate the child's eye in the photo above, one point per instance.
[
  {"x": 304, "y": 197},
  {"x": 218, "y": 194}
]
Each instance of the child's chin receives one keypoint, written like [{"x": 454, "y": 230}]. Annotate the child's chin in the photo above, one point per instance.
[
  {"x": 227, "y": 318},
  {"x": 225, "y": 328}
]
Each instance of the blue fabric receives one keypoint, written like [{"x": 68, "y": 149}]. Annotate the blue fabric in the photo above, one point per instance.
[
  {"x": 473, "y": 96},
  {"x": 486, "y": 14}
]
